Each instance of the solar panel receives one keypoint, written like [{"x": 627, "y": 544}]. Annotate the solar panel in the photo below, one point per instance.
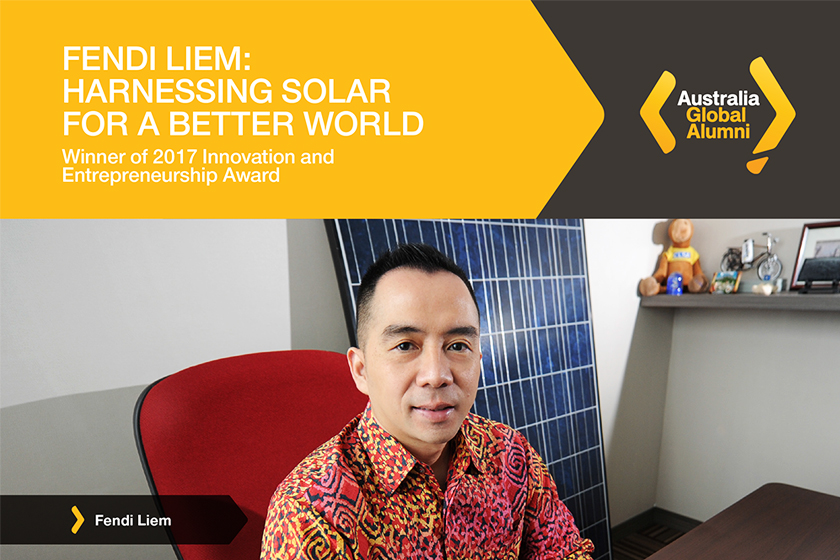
[{"x": 538, "y": 369}]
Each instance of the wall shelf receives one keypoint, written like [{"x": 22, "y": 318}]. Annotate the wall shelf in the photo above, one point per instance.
[{"x": 785, "y": 300}]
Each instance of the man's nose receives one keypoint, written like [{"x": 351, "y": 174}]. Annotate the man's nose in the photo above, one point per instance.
[{"x": 435, "y": 370}]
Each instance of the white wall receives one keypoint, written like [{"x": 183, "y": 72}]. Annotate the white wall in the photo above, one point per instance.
[
  {"x": 89, "y": 305},
  {"x": 632, "y": 349},
  {"x": 753, "y": 397},
  {"x": 91, "y": 311},
  {"x": 317, "y": 313}
]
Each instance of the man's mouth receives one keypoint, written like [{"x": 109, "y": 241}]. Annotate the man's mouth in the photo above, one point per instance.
[
  {"x": 435, "y": 412},
  {"x": 434, "y": 407}
]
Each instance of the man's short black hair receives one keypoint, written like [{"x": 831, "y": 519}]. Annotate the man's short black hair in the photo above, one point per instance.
[{"x": 417, "y": 256}]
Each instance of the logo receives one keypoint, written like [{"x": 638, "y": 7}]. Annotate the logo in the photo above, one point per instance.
[{"x": 721, "y": 116}]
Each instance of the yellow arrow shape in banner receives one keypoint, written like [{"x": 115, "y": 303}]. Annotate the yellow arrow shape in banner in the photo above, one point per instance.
[
  {"x": 79, "y": 519},
  {"x": 650, "y": 111},
  {"x": 503, "y": 107},
  {"x": 784, "y": 112}
]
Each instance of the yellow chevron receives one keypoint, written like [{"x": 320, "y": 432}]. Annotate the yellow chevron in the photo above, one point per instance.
[
  {"x": 780, "y": 103},
  {"x": 79, "y": 519},
  {"x": 650, "y": 111}
]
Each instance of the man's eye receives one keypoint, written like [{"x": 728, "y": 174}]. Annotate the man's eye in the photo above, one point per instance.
[
  {"x": 404, "y": 346},
  {"x": 459, "y": 347}
]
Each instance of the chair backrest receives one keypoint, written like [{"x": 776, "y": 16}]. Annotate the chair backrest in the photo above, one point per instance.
[{"x": 237, "y": 426}]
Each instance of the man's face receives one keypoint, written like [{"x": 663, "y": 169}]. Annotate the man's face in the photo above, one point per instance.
[{"x": 420, "y": 360}]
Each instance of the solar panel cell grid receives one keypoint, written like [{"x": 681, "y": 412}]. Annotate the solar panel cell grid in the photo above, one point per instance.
[{"x": 538, "y": 371}]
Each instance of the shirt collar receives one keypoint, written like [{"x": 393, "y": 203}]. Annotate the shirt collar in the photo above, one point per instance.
[
  {"x": 470, "y": 448},
  {"x": 391, "y": 462}
]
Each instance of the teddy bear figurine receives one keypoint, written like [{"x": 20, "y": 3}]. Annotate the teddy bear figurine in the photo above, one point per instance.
[{"x": 680, "y": 257}]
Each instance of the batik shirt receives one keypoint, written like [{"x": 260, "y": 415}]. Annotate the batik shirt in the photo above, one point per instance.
[{"x": 363, "y": 495}]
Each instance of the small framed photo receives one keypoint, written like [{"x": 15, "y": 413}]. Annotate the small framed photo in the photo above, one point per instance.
[
  {"x": 726, "y": 282},
  {"x": 819, "y": 240}
]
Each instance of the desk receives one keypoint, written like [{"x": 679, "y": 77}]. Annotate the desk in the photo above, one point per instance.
[{"x": 775, "y": 522}]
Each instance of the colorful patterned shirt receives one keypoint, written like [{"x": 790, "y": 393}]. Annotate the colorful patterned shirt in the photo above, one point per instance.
[{"x": 362, "y": 495}]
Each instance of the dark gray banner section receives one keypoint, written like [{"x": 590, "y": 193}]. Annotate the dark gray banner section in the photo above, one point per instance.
[
  {"x": 622, "y": 48},
  {"x": 119, "y": 519}
]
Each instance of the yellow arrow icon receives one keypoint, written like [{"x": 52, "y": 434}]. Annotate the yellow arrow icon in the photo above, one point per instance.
[
  {"x": 79, "y": 519},
  {"x": 784, "y": 112},
  {"x": 650, "y": 111}
]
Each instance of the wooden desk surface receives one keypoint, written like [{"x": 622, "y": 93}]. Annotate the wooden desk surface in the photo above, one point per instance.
[{"x": 775, "y": 522}]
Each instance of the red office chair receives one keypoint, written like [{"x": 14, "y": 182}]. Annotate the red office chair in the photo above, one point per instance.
[{"x": 237, "y": 426}]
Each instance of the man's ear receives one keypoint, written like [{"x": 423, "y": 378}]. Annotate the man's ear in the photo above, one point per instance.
[{"x": 356, "y": 359}]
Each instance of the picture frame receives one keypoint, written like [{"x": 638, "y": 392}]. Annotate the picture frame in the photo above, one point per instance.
[
  {"x": 725, "y": 282},
  {"x": 821, "y": 239}
]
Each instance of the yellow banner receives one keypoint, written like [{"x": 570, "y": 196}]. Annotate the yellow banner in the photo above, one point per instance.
[{"x": 285, "y": 109}]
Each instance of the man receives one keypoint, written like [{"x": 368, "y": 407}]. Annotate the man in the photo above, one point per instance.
[{"x": 416, "y": 475}]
